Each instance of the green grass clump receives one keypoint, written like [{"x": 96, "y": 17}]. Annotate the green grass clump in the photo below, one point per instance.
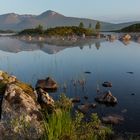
[{"x": 60, "y": 125}]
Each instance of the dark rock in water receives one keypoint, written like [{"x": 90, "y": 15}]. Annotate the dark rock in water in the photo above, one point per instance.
[
  {"x": 84, "y": 108},
  {"x": 87, "y": 72},
  {"x": 93, "y": 105},
  {"x": 47, "y": 84},
  {"x": 132, "y": 94},
  {"x": 112, "y": 119},
  {"x": 107, "y": 84},
  {"x": 45, "y": 100},
  {"x": 106, "y": 98},
  {"x": 85, "y": 97},
  {"x": 130, "y": 72},
  {"x": 124, "y": 111},
  {"x": 76, "y": 100}
]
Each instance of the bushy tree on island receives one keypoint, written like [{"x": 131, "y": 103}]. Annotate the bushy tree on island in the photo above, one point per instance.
[
  {"x": 81, "y": 25},
  {"x": 98, "y": 27}
]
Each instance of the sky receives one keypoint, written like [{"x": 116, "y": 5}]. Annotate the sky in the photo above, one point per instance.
[{"x": 106, "y": 10}]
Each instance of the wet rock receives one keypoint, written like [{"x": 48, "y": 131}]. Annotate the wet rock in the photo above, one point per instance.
[
  {"x": 84, "y": 108},
  {"x": 47, "y": 84},
  {"x": 76, "y": 100},
  {"x": 93, "y": 105},
  {"x": 87, "y": 72},
  {"x": 85, "y": 97},
  {"x": 45, "y": 100},
  {"x": 130, "y": 72},
  {"x": 106, "y": 98},
  {"x": 124, "y": 111},
  {"x": 107, "y": 84},
  {"x": 19, "y": 106},
  {"x": 112, "y": 119}
]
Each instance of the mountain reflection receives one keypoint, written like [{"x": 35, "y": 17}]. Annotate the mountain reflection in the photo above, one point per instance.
[{"x": 14, "y": 45}]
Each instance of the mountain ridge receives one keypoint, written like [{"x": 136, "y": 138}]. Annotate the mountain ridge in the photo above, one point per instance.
[{"x": 49, "y": 18}]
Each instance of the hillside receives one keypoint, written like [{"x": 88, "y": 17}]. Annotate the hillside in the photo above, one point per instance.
[
  {"x": 13, "y": 21},
  {"x": 48, "y": 19},
  {"x": 131, "y": 28}
]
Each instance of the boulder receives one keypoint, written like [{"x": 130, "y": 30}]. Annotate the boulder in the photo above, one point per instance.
[
  {"x": 45, "y": 100},
  {"x": 20, "y": 116},
  {"x": 106, "y": 98},
  {"x": 47, "y": 84},
  {"x": 84, "y": 108},
  {"x": 107, "y": 84},
  {"x": 112, "y": 119}
]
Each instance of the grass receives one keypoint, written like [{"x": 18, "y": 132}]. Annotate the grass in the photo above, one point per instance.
[{"x": 60, "y": 125}]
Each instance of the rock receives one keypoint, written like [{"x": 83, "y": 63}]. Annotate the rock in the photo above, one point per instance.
[
  {"x": 124, "y": 111},
  {"x": 126, "y": 37},
  {"x": 132, "y": 94},
  {"x": 106, "y": 98},
  {"x": 18, "y": 110},
  {"x": 11, "y": 79},
  {"x": 85, "y": 97},
  {"x": 87, "y": 72},
  {"x": 107, "y": 84},
  {"x": 84, "y": 108},
  {"x": 93, "y": 105},
  {"x": 76, "y": 100},
  {"x": 45, "y": 100},
  {"x": 47, "y": 84},
  {"x": 1, "y": 78},
  {"x": 112, "y": 119},
  {"x": 130, "y": 72}
]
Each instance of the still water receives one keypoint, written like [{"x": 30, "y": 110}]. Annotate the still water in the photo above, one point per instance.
[{"x": 107, "y": 61}]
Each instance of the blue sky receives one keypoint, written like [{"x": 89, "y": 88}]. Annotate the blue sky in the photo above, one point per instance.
[{"x": 108, "y": 10}]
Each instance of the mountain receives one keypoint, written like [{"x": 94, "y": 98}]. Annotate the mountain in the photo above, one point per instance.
[{"x": 49, "y": 19}]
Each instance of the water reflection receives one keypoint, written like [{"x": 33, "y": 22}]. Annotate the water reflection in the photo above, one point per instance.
[{"x": 107, "y": 61}]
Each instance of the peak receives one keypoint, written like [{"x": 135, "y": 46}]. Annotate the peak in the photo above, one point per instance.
[{"x": 49, "y": 13}]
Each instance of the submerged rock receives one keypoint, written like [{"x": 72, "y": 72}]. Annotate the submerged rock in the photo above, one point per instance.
[
  {"x": 112, "y": 119},
  {"x": 106, "y": 98},
  {"x": 107, "y": 84},
  {"x": 47, "y": 84}
]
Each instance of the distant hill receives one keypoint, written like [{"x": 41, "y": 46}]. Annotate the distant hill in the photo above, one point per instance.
[
  {"x": 49, "y": 19},
  {"x": 131, "y": 28}
]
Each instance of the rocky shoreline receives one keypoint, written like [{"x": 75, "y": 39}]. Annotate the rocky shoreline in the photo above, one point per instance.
[{"x": 22, "y": 105}]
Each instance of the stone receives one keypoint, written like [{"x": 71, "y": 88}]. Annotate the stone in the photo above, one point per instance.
[
  {"x": 45, "y": 100},
  {"x": 107, "y": 84},
  {"x": 11, "y": 79},
  {"x": 19, "y": 106},
  {"x": 76, "y": 100},
  {"x": 84, "y": 108},
  {"x": 106, "y": 98},
  {"x": 112, "y": 119},
  {"x": 47, "y": 84}
]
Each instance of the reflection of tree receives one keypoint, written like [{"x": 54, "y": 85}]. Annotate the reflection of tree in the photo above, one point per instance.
[
  {"x": 89, "y": 46},
  {"x": 81, "y": 47},
  {"x": 97, "y": 45},
  {"x": 41, "y": 45}
]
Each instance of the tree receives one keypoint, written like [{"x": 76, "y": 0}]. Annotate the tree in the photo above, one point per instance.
[
  {"x": 81, "y": 25},
  {"x": 89, "y": 26},
  {"x": 98, "y": 26},
  {"x": 39, "y": 28}
]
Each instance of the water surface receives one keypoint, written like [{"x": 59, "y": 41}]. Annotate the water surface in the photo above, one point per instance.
[{"x": 107, "y": 61}]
